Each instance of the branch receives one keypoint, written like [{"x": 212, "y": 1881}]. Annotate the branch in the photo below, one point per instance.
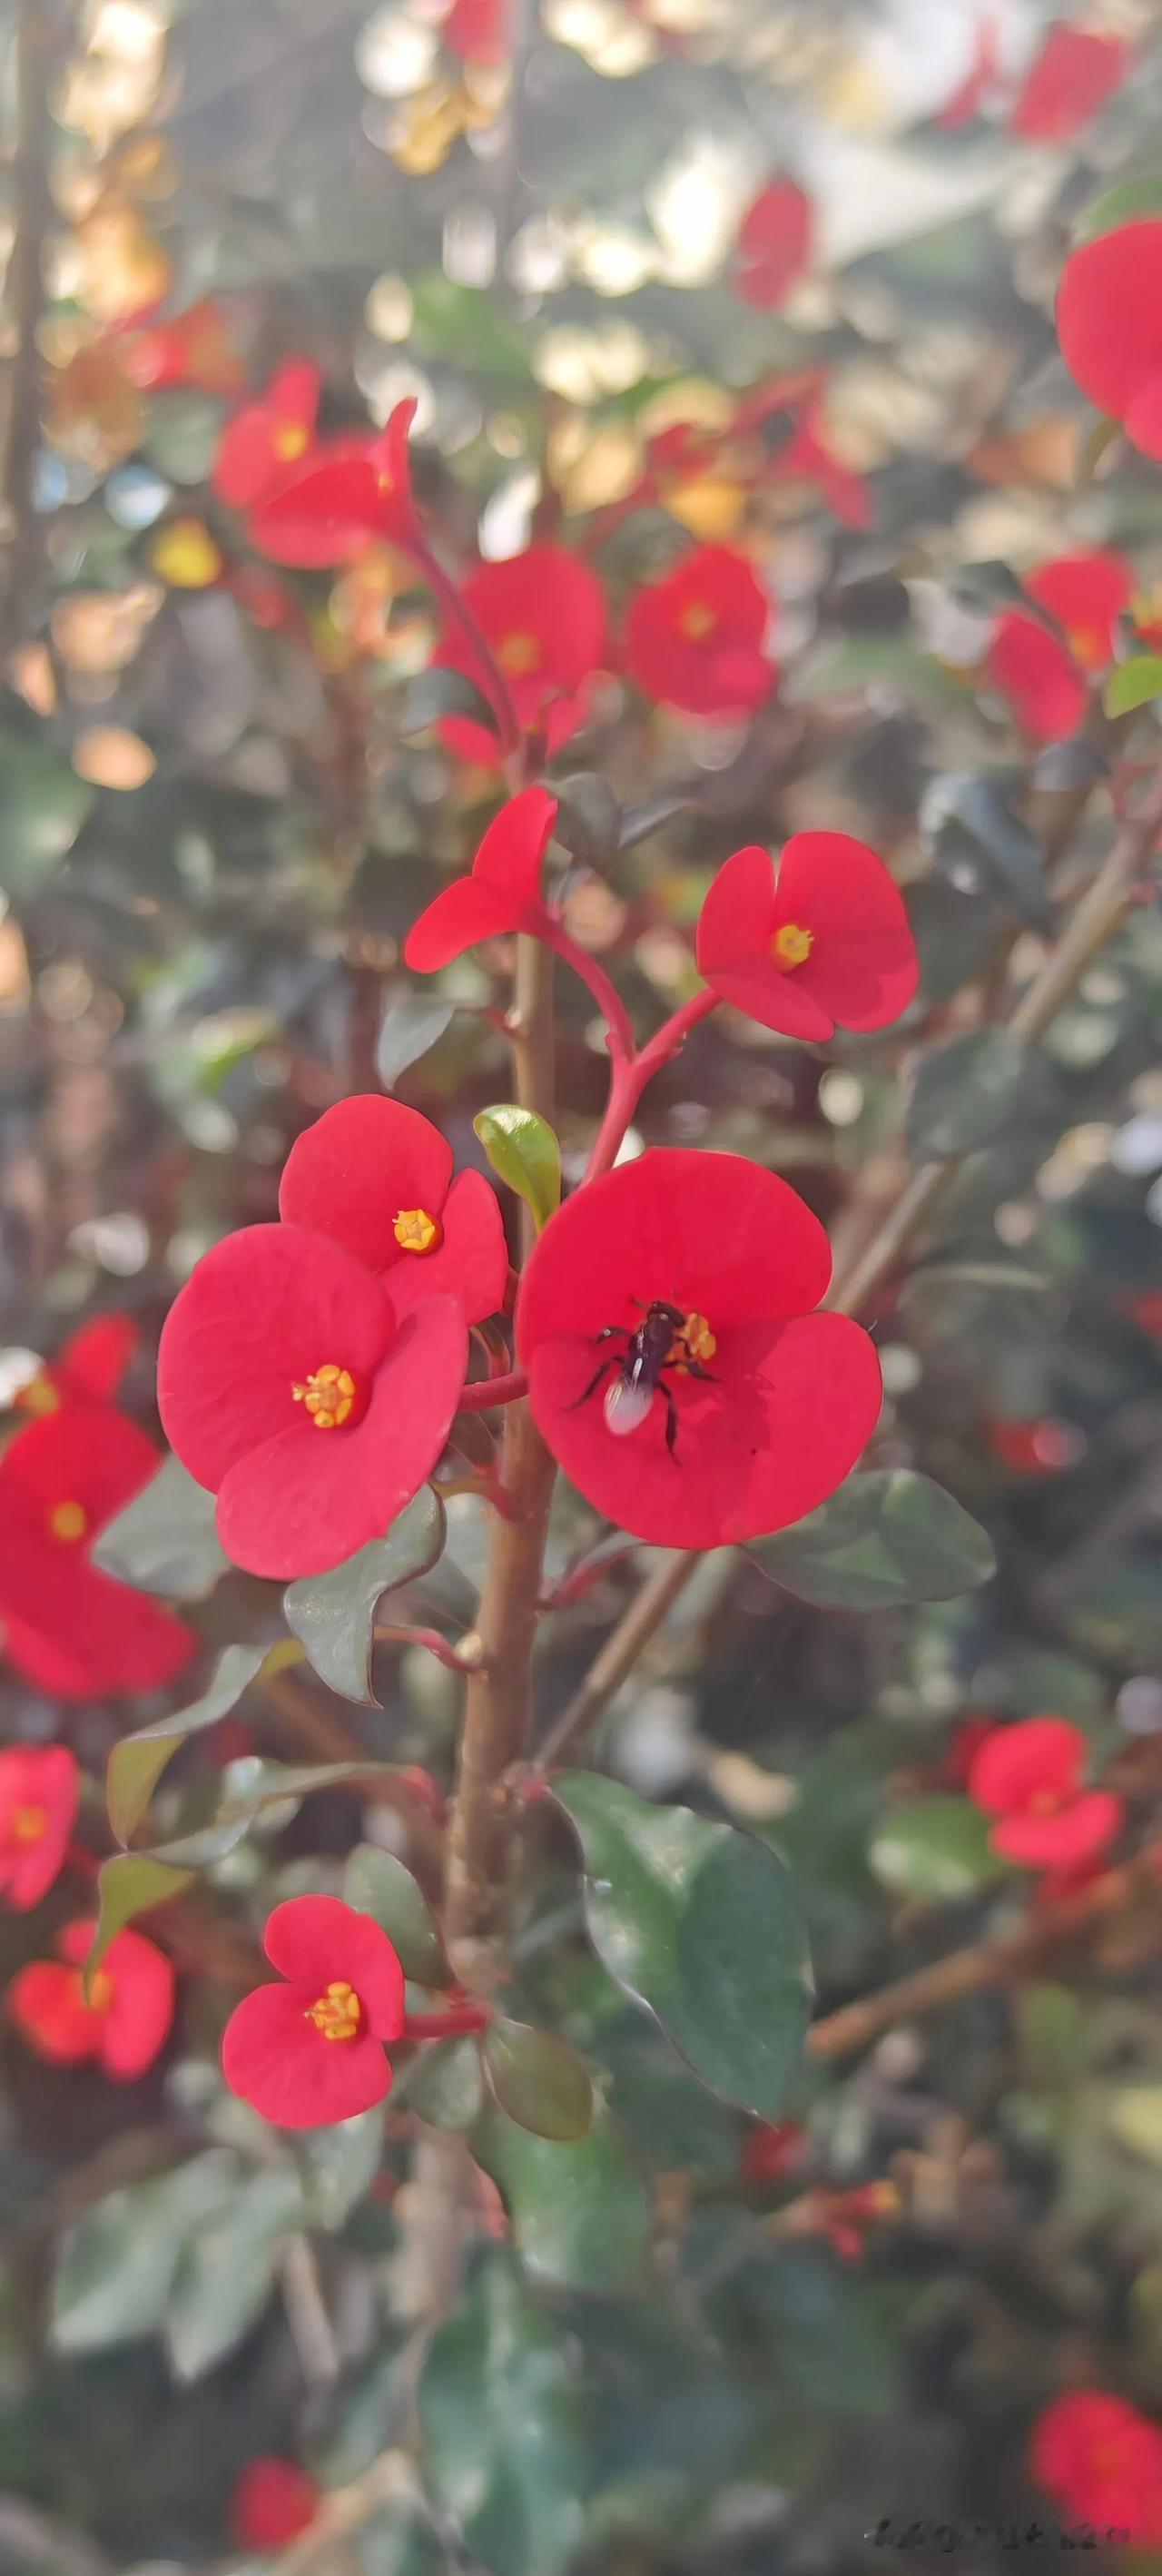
[
  {"x": 310, "y": 2326},
  {"x": 41, "y": 35}
]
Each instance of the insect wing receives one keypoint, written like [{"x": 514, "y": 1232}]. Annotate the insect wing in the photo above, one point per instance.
[{"x": 626, "y": 1406}]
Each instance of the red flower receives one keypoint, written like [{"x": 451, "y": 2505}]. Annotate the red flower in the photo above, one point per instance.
[
  {"x": 1101, "y": 2461},
  {"x": 759, "y": 1408},
  {"x": 543, "y": 615},
  {"x": 969, "y": 98},
  {"x": 824, "y": 937},
  {"x": 194, "y": 350},
  {"x": 38, "y": 1806},
  {"x": 311, "y": 2051},
  {"x": 377, "y": 1178},
  {"x": 695, "y": 639},
  {"x": 266, "y": 437},
  {"x": 1109, "y": 323},
  {"x": 71, "y": 1629},
  {"x": 1030, "y": 1776},
  {"x": 91, "y": 1363},
  {"x": 502, "y": 894},
  {"x": 971, "y": 1733},
  {"x": 774, "y": 245},
  {"x": 131, "y": 2007},
  {"x": 1146, "y": 1310},
  {"x": 1068, "y": 83},
  {"x": 772, "y": 2155},
  {"x": 479, "y": 31},
  {"x": 273, "y": 2502},
  {"x": 1037, "y": 1447},
  {"x": 349, "y": 490},
  {"x": 289, "y": 1388},
  {"x": 808, "y": 458},
  {"x": 1043, "y": 676}
]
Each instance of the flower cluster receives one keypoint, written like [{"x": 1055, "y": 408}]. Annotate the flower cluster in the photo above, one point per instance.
[
  {"x": 67, "y": 1626},
  {"x": 1101, "y": 2461},
  {"x": 123, "y": 2022},
  {"x": 1030, "y": 1777}
]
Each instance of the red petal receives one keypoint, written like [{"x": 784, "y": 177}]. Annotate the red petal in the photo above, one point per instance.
[
  {"x": 1144, "y": 418},
  {"x": 1074, "y": 74},
  {"x": 472, "y": 1262},
  {"x": 545, "y": 593},
  {"x": 350, "y": 1174},
  {"x": 511, "y": 854},
  {"x": 307, "y": 1499},
  {"x": 1038, "y": 676},
  {"x": 774, "y": 245},
  {"x": 93, "y": 1361},
  {"x": 324, "y": 511},
  {"x": 793, "y": 1407},
  {"x": 312, "y": 1939},
  {"x": 47, "y": 2006},
  {"x": 83, "y": 1453},
  {"x": 272, "y": 2503},
  {"x": 45, "y": 1778},
  {"x": 1109, "y": 315},
  {"x": 1086, "y": 1826},
  {"x": 734, "y": 937},
  {"x": 464, "y": 914},
  {"x": 863, "y": 967},
  {"x": 138, "y": 2021},
  {"x": 117, "y": 1640},
  {"x": 1018, "y": 1763},
  {"x": 1086, "y": 593},
  {"x": 263, "y": 1310},
  {"x": 277, "y": 2059}
]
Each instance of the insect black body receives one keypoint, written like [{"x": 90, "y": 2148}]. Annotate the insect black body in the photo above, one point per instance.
[{"x": 658, "y": 1344}]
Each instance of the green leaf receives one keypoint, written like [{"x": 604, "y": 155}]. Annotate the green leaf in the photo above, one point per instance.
[
  {"x": 934, "y": 1848},
  {"x": 1133, "y": 684},
  {"x": 227, "y": 2273},
  {"x": 467, "y": 328},
  {"x": 703, "y": 1926},
  {"x": 499, "y": 2425},
  {"x": 525, "y": 1154},
  {"x": 890, "y": 664},
  {"x": 964, "y": 1094},
  {"x": 333, "y": 1615},
  {"x": 128, "y": 1885},
  {"x": 581, "y": 2208},
  {"x": 338, "y": 2165},
  {"x": 136, "y": 1764},
  {"x": 401, "y": 2543},
  {"x": 445, "y": 2086},
  {"x": 45, "y": 804},
  {"x": 376, "y": 1883},
  {"x": 589, "y": 819},
  {"x": 442, "y": 692},
  {"x": 832, "y": 2346},
  {"x": 165, "y": 1540},
  {"x": 978, "y": 841},
  {"x": 882, "y": 1538},
  {"x": 411, "y": 1025},
  {"x": 116, "y": 2265},
  {"x": 267, "y": 1784},
  {"x": 1127, "y": 203},
  {"x": 537, "y": 2080}
]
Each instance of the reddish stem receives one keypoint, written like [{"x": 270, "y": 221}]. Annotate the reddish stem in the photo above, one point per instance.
[
  {"x": 455, "y": 2023},
  {"x": 609, "y": 1002},
  {"x": 433, "y": 1643},
  {"x": 487, "y": 1391},
  {"x": 629, "y": 1080},
  {"x": 487, "y": 672}
]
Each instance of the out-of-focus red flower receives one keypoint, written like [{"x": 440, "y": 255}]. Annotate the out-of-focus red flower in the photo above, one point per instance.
[
  {"x": 808, "y": 457},
  {"x": 754, "y": 1410},
  {"x": 822, "y": 938},
  {"x": 479, "y": 31},
  {"x": 125, "y": 2023},
  {"x": 1042, "y": 676},
  {"x": 1109, "y": 323},
  {"x": 695, "y": 639},
  {"x": 290, "y": 1388},
  {"x": 348, "y": 490},
  {"x": 503, "y": 893},
  {"x": 773, "y": 2154},
  {"x": 377, "y": 1178},
  {"x": 1030, "y": 1776},
  {"x": 1147, "y": 1310},
  {"x": 1038, "y": 1447},
  {"x": 273, "y": 2502},
  {"x": 543, "y": 615},
  {"x": 971, "y": 1733},
  {"x": 846, "y": 2218},
  {"x": 1068, "y": 83},
  {"x": 774, "y": 246},
  {"x": 92, "y": 1362},
  {"x": 266, "y": 437},
  {"x": 980, "y": 78},
  {"x": 194, "y": 349},
  {"x": 38, "y": 1806},
  {"x": 71, "y": 1629},
  {"x": 312, "y": 2050},
  {"x": 1101, "y": 2461}
]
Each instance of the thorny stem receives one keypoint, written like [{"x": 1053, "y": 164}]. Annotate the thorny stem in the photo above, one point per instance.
[{"x": 457, "y": 2022}]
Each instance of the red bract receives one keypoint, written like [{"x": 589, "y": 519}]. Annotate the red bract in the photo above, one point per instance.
[
  {"x": 808, "y": 458},
  {"x": 127, "y": 2019},
  {"x": 272, "y": 2503},
  {"x": 773, "y": 2154},
  {"x": 695, "y": 639},
  {"x": 1037, "y": 1447},
  {"x": 377, "y": 1178},
  {"x": 479, "y": 31},
  {"x": 194, "y": 349},
  {"x": 350, "y": 490},
  {"x": 1109, "y": 323},
  {"x": 71, "y": 1629},
  {"x": 91, "y": 1363},
  {"x": 290, "y": 1388},
  {"x": 1074, "y": 74},
  {"x": 822, "y": 938},
  {"x": 969, "y": 98},
  {"x": 1042, "y": 675},
  {"x": 1030, "y": 1776},
  {"x": 1101, "y": 2461},
  {"x": 771, "y": 1404},
  {"x": 774, "y": 245},
  {"x": 543, "y": 615},
  {"x": 266, "y": 437},
  {"x": 503, "y": 893},
  {"x": 38, "y": 1806},
  {"x": 311, "y": 2051}
]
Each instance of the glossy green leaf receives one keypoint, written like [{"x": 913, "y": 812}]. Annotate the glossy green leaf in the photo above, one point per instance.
[
  {"x": 882, "y": 1538},
  {"x": 128, "y": 1885},
  {"x": 445, "y": 2085},
  {"x": 1128, "y": 202},
  {"x": 581, "y": 2209},
  {"x": 44, "y": 804},
  {"x": 934, "y": 1848},
  {"x": 1132, "y": 684},
  {"x": 338, "y": 2165},
  {"x": 165, "y": 1540},
  {"x": 376, "y": 1883},
  {"x": 117, "y": 2264},
  {"x": 965, "y": 1094},
  {"x": 589, "y": 818},
  {"x": 137, "y": 1762},
  {"x": 980, "y": 843},
  {"x": 333, "y": 1615},
  {"x": 524, "y": 1153},
  {"x": 265, "y": 1785},
  {"x": 537, "y": 2080},
  {"x": 499, "y": 2425},
  {"x": 412, "y": 1023},
  {"x": 228, "y": 2271},
  {"x": 703, "y": 1925},
  {"x": 443, "y": 692}
]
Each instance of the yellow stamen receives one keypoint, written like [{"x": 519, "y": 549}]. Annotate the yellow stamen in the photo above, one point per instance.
[
  {"x": 30, "y": 1824},
  {"x": 289, "y": 440},
  {"x": 1088, "y": 647},
  {"x": 520, "y": 654},
  {"x": 792, "y": 945},
  {"x": 100, "y": 1994},
  {"x": 1046, "y": 1803},
  {"x": 694, "y": 1342},
  {"x": 416, "y": 1231},
  {"x": 328, "y": 1394},
  {"x": 39, "y": 1396},
  {"x": 68, "y": 1520},
  {"x": 338, "y": 2013},
  {"x": 697, "y": 621}
]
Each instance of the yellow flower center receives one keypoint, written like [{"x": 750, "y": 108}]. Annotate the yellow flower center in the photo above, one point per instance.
[
  {"x": 1088, "y": 647},
  {"x": 100, "y": 1994},
  {"x": 30, "y": 1824},
  {"x": 697, "y": 621},
  {"x": 39, "y": 1396},
  {"x": 338, "y": 2013},
  {"x": 328, "y": 1394},
  {"x": 792, "y": 945},
  {"x": 694, "y": 1342},
  {"x": 1045, "y": 1803},
  {"x": 68, "y": 1521},
  {"x": 185, "y": 555},
  {"x": 289, "y": 440},
  {"x": 520, "y": 654},
  {"x": 416, "y": 1231}
]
